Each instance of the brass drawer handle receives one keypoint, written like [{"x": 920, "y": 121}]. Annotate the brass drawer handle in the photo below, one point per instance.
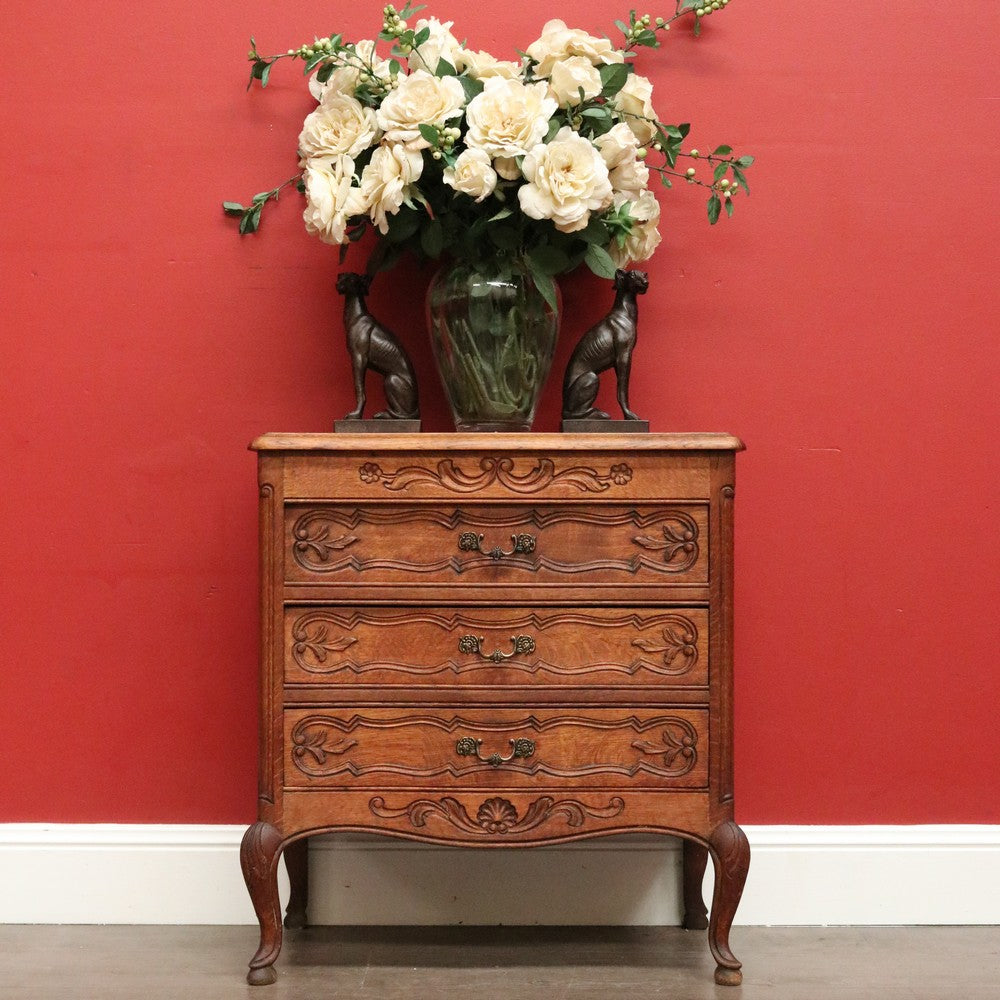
[
  {"x": 474, "y": 644},
  {"x": 469, "y": 747},
  {"x": 469, "y": 541}
]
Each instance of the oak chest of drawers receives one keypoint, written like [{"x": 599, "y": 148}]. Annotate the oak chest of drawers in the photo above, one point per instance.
[{"x": 496, "y": 641}]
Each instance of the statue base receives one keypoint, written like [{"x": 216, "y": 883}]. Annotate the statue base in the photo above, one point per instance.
[
  {"x": 592, "y": 426},
  {"x": 385, "y": 425}
]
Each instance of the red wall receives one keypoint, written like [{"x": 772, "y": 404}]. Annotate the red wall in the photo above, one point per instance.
[{"x": 844, "y": 323}]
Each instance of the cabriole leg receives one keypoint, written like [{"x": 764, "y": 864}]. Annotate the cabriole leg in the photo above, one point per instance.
[
  {"x": 695, "y": 862},
  {"x": 259, "y": 854},
  {"x": 731, "y": 857},
  {"x": 297, "y": 862}
]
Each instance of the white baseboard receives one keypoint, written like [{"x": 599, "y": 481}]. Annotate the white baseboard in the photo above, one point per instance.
[{"x": 798, "y": 875}]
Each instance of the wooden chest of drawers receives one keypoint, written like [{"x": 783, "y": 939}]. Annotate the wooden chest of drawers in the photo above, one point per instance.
[{"x": 496, "y": 641}]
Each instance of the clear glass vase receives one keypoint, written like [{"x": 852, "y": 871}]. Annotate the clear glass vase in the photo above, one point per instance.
[{"x": 493, "y": 336}]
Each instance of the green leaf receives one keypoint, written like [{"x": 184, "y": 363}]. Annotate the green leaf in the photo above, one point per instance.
[
  {"x": 403, "y": 224},
  {"x": 262, "y": 196},
  {"x": 599, "y": 261},
  {"x": 313, "y": 63},
  {"x": 720, "y": 171},
  {"x": 432, "y": 238},
  {"x": 325, "y": 72},
  {"x": 232, "y": 208},
  {"x": 421, "y": 36},
  {"x": 502, "y": 214},
  {"x": 505, "y": 237},
  {"x": 714, "y": 205},
  {"x": 697, "y": 27},
  {"x": 598, "y": 112},
  {"x": 548, "y": 259},
  {"x": 472, "y": 88},
  {"x": 613, "y": 78},
  {"x": 394, "y": 67},
  {"x": 445, "y": 68},
  {"x": 745, "y": 161},
  {"x": 684, "y": 5},
  {"x": 430, "y": 134},
  {"x": 729, "y": 207},
  {"x": 545, "y": 284},
  {"x": 722, "y": 151},
  {"x": 595, "y": 233},
  {"x": 553, "y": 130},
  {"x": 265, "y": 74},
  {"x": 741, "y": 177}
]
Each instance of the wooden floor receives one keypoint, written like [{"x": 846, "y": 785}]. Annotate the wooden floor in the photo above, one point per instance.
[{"x": 483, "y": 963}]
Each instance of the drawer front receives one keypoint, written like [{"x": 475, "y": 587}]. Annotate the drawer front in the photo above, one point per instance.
[
  {"x": 497, "y": 748},
  {"x": 496, "y": 647},
  {"x": 332, "y": 544}
]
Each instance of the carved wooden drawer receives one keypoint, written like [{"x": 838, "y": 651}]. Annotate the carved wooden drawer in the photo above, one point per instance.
[
  {"x": 497, "y": 748},
  {"x": 492, "y": 544},
  {"x": 439, "y": 646}
]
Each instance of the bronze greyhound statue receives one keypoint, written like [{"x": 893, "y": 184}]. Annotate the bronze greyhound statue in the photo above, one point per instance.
[
  {"x": 607, "y": 344},
  {"x": 371, "y": 345}
]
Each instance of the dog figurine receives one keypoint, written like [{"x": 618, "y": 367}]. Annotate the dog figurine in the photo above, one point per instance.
[
  {"x": 607, "y": 344},
  {"x": 371, "y": 345}
]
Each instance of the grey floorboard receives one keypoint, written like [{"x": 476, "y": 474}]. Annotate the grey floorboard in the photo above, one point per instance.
[{"x": 525, "y": 963}]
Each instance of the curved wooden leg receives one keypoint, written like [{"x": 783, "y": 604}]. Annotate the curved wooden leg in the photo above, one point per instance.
[
  {"x": 731, "y": 857},
  {"x": 259, "y": 854},
  {"x": 695, "y": 862},
  {"x": 297, "y": 862}
]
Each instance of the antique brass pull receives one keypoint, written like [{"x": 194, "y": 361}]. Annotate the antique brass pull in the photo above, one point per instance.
[
  {"x": 474, "y": 644},
  {"x": 469, "y": 747},
  {"x": 469, "y": 541}
]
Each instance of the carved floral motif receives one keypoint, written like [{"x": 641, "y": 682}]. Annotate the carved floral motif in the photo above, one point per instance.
[
  {"x": 677, "y": 748},
  {"x": 312, "y": 643},
  {"x": 679, "y": 543},
  {"x": 314, "y": 545},
  {"x": 680, "y": 644},
  {"x": 497, "y": 816}
]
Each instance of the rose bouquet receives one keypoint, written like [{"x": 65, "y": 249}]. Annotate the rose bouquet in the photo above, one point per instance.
[{"x": 529, "y": 166}]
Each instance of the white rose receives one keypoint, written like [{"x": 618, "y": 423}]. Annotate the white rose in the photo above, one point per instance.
[
  {"x": 330, "y": 198},
  {"x": 571, "y": 75},
  {"x": 509, "y": 117},
  {"x": 420, "y": 99},
  {"x": 631, "y": 178},
  {"x": 645, "y": 237},
  {"x": 567, "y": 180},
  {"x": 635, "y": 104},
  {"x": 340, "y": 125},
  {"x": 385, "y": 182},
  {"x": 345, "y": 79},
  {"x": 617, "y": 145},
  {"x": 507, "y": 168},
  {"x": 472, "y": 174},
  {"x": 440, "y": 44},
  {"x": 482, "y": 66},
  {"x": 558, "y": 42}
]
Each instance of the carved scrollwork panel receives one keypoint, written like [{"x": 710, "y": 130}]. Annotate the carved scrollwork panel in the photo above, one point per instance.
[
  {"x": 497, "y": 816},
  {"x": 450, "y": 476}
]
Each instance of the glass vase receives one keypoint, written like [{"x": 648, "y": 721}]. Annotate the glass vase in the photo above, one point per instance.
[{"x": 493, "y": 336}]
